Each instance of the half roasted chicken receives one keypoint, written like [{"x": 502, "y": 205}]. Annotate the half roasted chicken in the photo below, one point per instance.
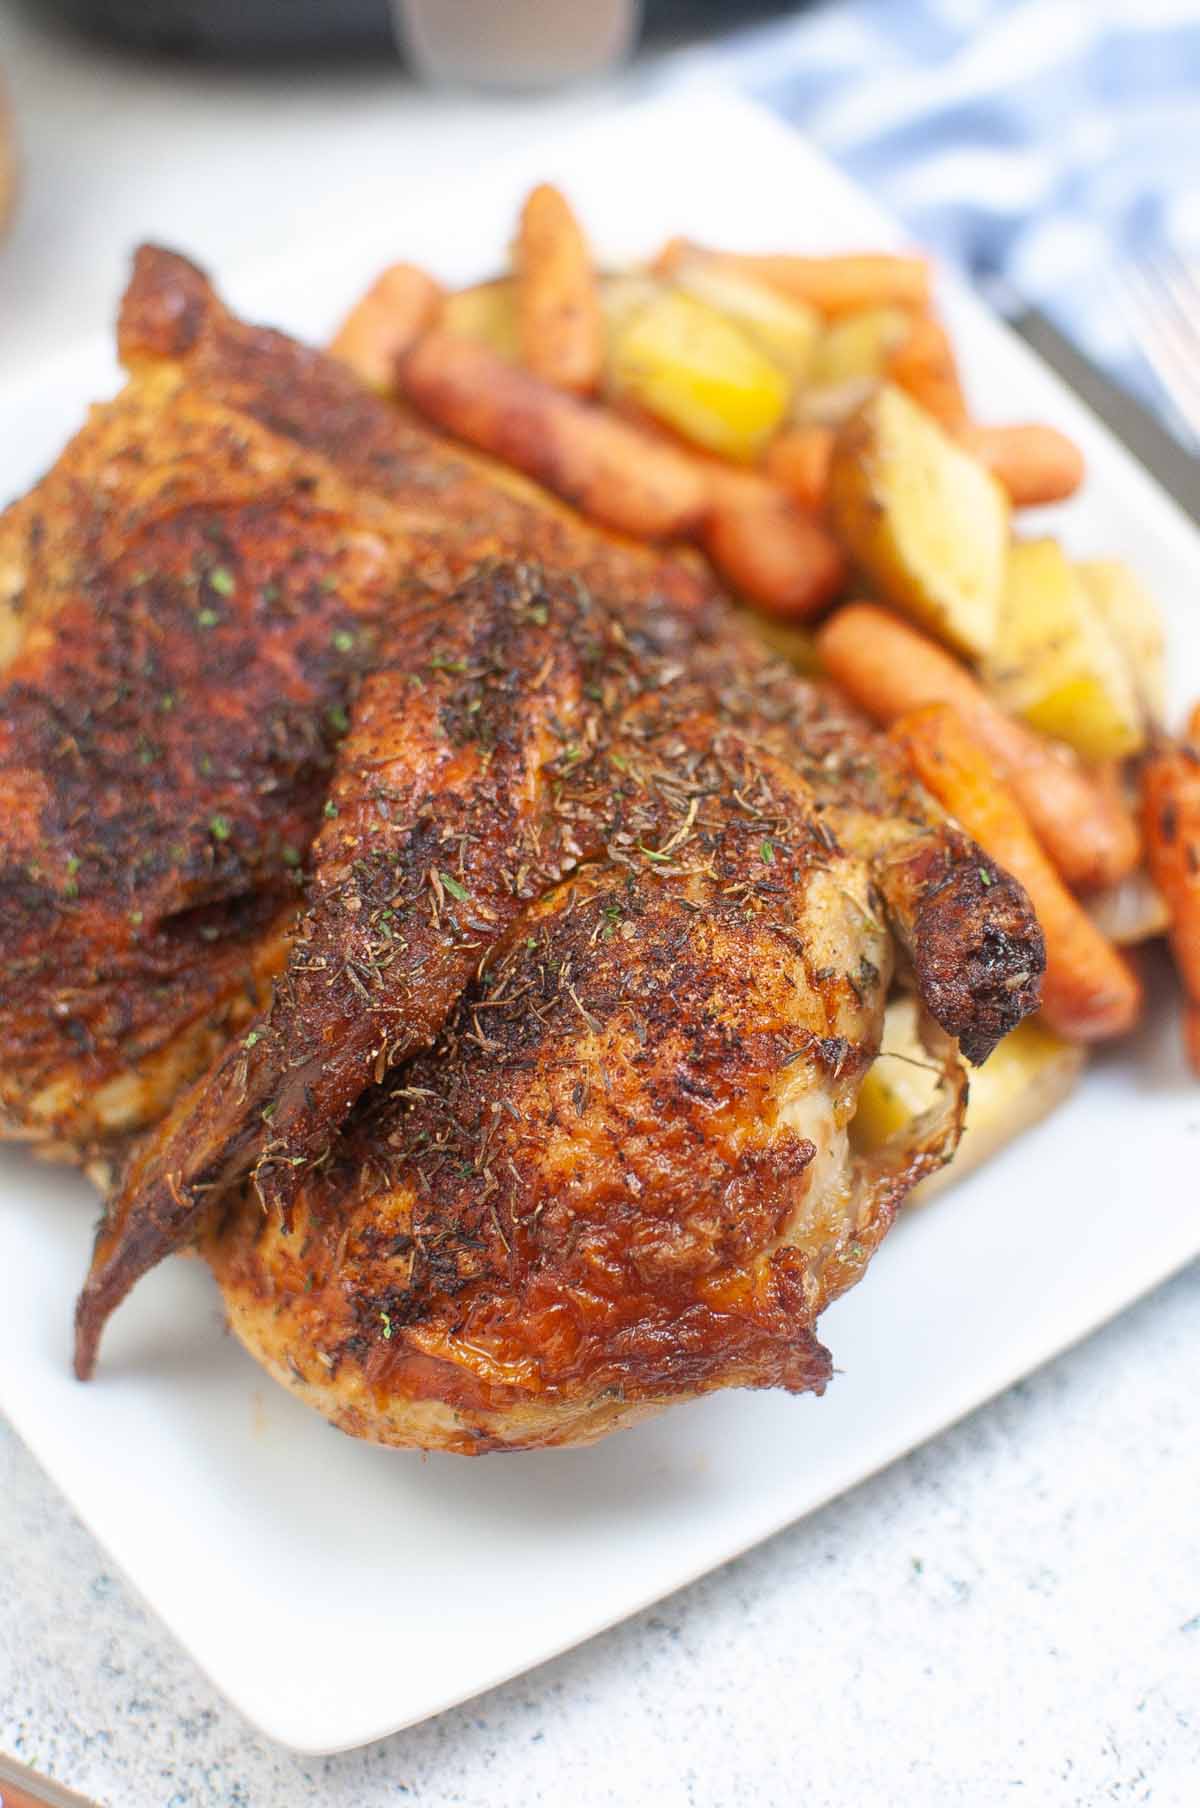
[{"x": 534, "y": 925}]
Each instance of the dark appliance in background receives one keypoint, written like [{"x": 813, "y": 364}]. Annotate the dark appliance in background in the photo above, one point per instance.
[{"x": 297, "y": 30}]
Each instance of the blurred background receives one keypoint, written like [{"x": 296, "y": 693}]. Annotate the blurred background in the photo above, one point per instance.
[{"x": 1051, "y": 147}]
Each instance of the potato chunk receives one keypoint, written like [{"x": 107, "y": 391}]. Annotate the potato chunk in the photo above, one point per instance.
[
  {"x": 697, "y": 372},
  {"x": 1132, "y": 618},
  {"x": 787, "y": 331},
  {"x": 923, "y": 518},
  {"x": 624, "y": 294},
  {"x": 1056, "y": 663},
  {"x": 488, "y": 313},
  {"x": 1025, "y": 1078},
  {"x": 860, "y": 345}
]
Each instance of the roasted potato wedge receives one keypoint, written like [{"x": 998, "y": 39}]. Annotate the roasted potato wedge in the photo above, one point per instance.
[
  {"x": 923, "y": 518},
  {"x": 1056, "y": 663},
  {"x": 1131, "y": 616},
  {"x": 831, "y": 404},
  {"x": 487, "y": 313},
  {"x": 623, "y": 294},
  {"x": 849, "y": 364},
  {"x": 1030, "y": 1073},
  {"x": 787, "y": 331},
  {"x": 698, "y": 373},
  {"x": 860, "y": 346}
]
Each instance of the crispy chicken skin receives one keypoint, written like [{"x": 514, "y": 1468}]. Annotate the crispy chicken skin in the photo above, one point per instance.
[
  {"x": 621, "y": 1178},
  {"x": 523, "y": 732},
  {"x": 166, "y": 735},
  {"x": 186, "y": 600},
  {"x": 527, "y": 926}
]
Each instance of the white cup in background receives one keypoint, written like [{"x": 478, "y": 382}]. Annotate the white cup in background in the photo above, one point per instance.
[{"x": 516, "y": 43}]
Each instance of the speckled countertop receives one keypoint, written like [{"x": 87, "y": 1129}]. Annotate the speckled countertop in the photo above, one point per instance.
[{"x": 1011, "y": 1615}]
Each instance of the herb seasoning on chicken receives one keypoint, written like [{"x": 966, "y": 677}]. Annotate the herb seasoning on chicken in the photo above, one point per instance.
[{"x": 544, "y": 1125}]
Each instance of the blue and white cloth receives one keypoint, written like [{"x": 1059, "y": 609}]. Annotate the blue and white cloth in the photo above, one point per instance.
[{"x": 1045, "y": 141}]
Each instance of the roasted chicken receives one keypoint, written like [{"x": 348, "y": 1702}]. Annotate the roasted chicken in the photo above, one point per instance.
[
  {"x": 534, "y": 926},
  {"x": 658, "y": 1056},
  {"x": 621, "y": 1176},
  {"x": 185, "y": 601}
]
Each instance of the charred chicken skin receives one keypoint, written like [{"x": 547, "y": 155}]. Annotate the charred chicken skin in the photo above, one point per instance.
[
  {"x": 621, "y": 1175},
  {"x": 529, "y": 928},
  {"x": 186, "y": 600},
  {"x": 564, "y": 862}
]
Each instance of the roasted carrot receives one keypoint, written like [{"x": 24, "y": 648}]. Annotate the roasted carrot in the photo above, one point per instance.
[
  {"x": 924, "y": 364},
  {"x": 1089, "y": 992},
  {"x": 770, "y": 551},
  {"x": 1191, "y": 1009},
  {"x": 798, "y": 461},
  {"x": 1034, "y": 464},
  {"x": 832, "y": 285},
  {"x": 1114, "y": 781},
  {"x": 1170, "y": 780},
  {"x": 775, "y": 555},
  {"x": 889, "y": 668},
  {"x": 380, "y": 328},
  {"x": 607, "y": 467},
  {"x": 559, "y": 318}
]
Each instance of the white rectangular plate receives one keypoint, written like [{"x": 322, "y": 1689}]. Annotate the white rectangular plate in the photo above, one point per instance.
[{"x": 336, "y": 1592}]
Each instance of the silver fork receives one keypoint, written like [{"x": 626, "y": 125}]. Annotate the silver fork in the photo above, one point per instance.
[{"x": 1160, "y": 299}]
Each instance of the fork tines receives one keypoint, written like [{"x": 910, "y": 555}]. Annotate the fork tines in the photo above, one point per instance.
[{"x": 1160, "y": 299}]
